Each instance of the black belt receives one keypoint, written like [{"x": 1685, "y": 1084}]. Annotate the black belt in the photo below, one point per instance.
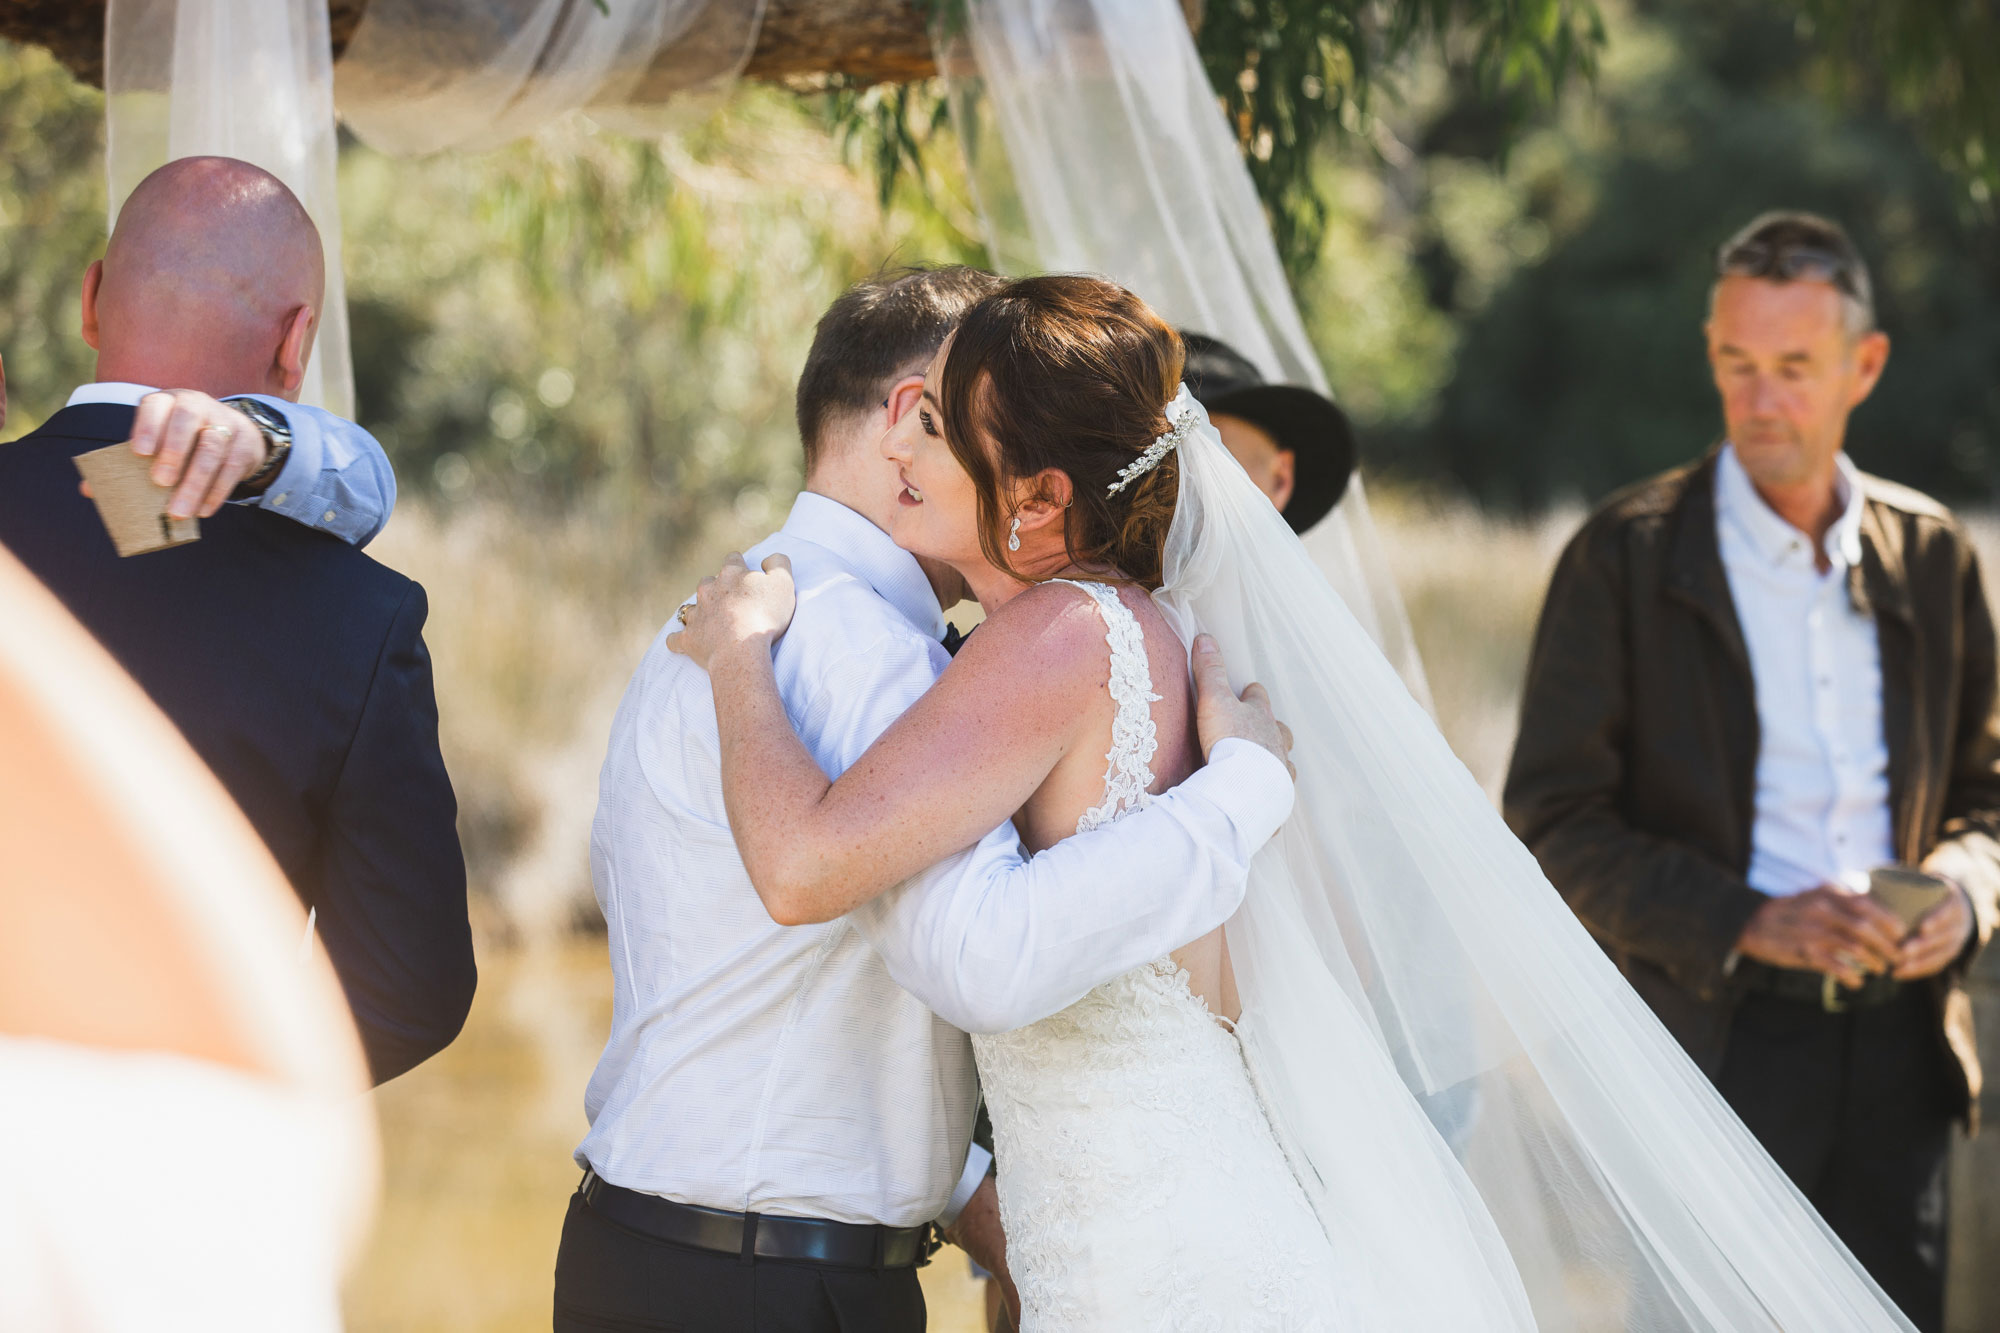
[
  {"x": 1818, "y": 988},
  {"x": 755, "y": 1236}
]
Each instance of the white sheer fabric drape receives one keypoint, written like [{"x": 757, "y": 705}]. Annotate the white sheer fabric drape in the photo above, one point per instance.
[
  {"x": 255, "y": 79},
  {"x": 1485, "y": 1115},
  {"x": 1094, "y": 144},
  {"x": 249, "y": 79},
  {"x": 425, "y": 75}
]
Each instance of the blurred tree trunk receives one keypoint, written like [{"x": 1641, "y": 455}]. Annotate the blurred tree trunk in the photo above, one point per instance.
[
  {"x": 875, "y": 41},
  {"x": 872, "y": 41}
]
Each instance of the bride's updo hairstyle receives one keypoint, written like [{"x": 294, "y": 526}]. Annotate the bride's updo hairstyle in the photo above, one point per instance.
[{"x": 1072, "y": 373}]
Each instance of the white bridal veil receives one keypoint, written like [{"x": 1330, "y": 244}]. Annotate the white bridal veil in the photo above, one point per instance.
[
  {"x": 1094, "y": 145},
  {"x": 1475, "y": 1099}
]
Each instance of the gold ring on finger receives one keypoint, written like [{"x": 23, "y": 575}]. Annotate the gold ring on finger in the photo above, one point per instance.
[
  {"x": 223, "y": 433},
  {"x": 682, "y": 614}
]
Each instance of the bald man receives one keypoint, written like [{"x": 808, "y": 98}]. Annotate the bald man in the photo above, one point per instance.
[{"x": 294, "y": 664}]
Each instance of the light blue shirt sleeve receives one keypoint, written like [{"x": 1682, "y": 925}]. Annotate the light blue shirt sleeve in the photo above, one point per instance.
[{"x": 337, "y": 478}]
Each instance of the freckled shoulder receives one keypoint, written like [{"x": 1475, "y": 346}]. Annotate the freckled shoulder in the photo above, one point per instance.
[{"x": 1056, "y": 627}]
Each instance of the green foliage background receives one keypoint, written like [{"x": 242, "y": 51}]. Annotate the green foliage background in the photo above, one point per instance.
[
  {"x": 580, "y": 320},
  {"x": 1507, "y": 289},
  {"x": 1572, "y": 266}
]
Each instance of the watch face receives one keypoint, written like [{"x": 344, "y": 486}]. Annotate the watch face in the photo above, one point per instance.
[{"x": 268, "y": 421}]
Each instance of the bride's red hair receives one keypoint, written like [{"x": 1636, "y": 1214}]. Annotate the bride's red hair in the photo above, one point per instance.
[{"x": 1072, "y": 373}]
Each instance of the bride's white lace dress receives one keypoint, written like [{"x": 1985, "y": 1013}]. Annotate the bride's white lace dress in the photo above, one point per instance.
[{"x": 1141, "y": 1184}]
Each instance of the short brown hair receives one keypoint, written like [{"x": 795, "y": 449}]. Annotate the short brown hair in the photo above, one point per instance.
[
  {"x": 875, "y": 332},
  {"x": 1073, "y": 373}
]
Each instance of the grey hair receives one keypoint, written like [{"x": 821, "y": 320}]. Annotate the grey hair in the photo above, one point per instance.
[{"x": 1791, "y": 227}]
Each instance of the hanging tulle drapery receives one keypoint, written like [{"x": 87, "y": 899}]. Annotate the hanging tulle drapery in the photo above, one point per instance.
[
  {"x": 1094, "y": 144},
  {"x": 255, "y": 79},
  {"x": 250, "y": 79}
]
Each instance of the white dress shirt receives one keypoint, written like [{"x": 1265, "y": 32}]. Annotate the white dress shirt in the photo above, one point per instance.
[
  {"x": 1822, "y": 763},
  {"x": 770, "y": 1069},
  {"x": 336, "y": 479}
]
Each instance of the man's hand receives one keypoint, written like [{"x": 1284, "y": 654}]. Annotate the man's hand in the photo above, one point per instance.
[
  {"x": 1219, "y": 712},
  {"x": 736, "y": 607},
  {"x": 1938, "y": 939},
  {"x": 978, "y": 1232},
  {"x": 1828, "y": 929},
  {"x": 201, "y": 448}
]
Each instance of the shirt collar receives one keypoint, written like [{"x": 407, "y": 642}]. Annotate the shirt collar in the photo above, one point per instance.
[
  {"x": 110, "y": 391},
  {"x": 1738, "y": 503},
  {"x": 868, "y": 553}
]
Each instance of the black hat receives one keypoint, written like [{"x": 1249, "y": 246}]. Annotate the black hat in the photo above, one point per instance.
[{"x": 1305, "y": 423}]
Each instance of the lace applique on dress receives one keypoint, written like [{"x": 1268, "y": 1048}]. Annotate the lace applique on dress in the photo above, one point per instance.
[
  {"x": 1134, "y": 738},
  {"x": 1141, "y": 1185}
]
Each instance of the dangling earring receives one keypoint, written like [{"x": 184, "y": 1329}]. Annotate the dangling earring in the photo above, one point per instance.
[{"x": 1014, "y": 535}]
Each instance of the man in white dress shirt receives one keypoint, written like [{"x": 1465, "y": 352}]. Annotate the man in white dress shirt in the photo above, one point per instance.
[
  {"x": 781, "y": 1113},
  {"x": 1758, "y": 679}
]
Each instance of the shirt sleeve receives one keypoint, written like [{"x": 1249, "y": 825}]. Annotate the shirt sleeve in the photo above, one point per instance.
[
  {"x": 337, "y": 478},
  {"x": 854, "y": 694},
  {"x": 993, "y": 940},
  {"x": 978, "y": 1162}
]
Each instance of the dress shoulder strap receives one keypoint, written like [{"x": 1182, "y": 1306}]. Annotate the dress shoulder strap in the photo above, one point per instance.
[{"x": 1134, "y": 739}]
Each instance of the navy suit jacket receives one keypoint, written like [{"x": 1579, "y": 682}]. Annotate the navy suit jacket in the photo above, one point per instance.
[{"x": 296, "y": 668}]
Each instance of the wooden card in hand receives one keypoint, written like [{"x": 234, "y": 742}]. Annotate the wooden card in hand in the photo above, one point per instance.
[
  {"x": 134, "y": 510},
  {"x": 1910, "y": 894}
]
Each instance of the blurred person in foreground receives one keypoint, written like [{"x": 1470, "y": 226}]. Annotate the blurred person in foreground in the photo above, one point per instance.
[
  {"x": 182, "y": 1143},
  {"x": 1295, "y": 444},
  {"x": 785, "y": 1104},
  {"x": 1758, "y": 678},
  {"x": 293, "y": 663}
]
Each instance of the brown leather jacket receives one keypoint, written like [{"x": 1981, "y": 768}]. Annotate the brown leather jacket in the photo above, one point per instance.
[{"x": 1634, "y": 775}]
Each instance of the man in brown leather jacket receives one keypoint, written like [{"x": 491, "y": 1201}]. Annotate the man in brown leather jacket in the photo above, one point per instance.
[{"x": 1757, "y": 678}]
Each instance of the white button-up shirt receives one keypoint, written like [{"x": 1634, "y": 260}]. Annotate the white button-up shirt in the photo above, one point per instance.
[
  {"x": 1822, "y": 763},
  {"x": 770, "y": 1069},
  {"x": 336, "y": 478}
]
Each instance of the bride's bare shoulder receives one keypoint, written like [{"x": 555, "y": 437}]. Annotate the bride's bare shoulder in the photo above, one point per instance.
[{"x": 1052, "y": 633}]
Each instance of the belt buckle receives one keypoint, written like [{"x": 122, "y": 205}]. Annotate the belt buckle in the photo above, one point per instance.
[
  {"x": 1829, "y": 994},
  {"x": 929, "y": 1243}
]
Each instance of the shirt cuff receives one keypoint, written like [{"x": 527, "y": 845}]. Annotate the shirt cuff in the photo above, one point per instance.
[
  {"x": 1249, "y": 784},
  {"x": 978, "y": 1162}
]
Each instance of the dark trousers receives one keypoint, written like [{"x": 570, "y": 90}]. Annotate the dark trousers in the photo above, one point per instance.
[
  {"x": 608, "y": 1278},
  {"x": 1857, "y": 1108}
]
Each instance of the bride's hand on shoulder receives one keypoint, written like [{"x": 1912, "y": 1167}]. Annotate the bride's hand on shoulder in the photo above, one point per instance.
[{"x": 739, "y": 608}]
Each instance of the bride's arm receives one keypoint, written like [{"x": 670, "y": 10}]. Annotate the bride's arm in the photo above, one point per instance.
[{"x": 954, "y": 767}]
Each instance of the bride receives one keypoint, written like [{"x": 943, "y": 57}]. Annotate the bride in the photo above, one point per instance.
[{"x": 1401, "y": 1089}]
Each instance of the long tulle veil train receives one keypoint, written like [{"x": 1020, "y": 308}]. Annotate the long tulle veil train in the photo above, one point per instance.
[{"x": 1484, "y": 1114}]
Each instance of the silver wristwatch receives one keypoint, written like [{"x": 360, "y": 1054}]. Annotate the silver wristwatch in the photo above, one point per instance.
[{"x": 277, "y": 437}]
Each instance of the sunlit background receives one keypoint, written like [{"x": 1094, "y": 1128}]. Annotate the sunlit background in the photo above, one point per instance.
[{"x": 579, "y": 352}]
